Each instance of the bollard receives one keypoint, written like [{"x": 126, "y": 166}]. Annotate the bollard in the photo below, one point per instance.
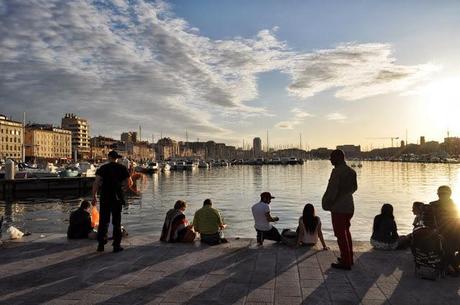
[{"x": 9, "y": 169}]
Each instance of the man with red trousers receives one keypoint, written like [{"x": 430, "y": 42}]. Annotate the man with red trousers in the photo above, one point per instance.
[{"x": 338, "y": 199}]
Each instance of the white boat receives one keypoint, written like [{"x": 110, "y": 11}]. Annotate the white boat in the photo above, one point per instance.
[
  {"x": 27, "y": 171},
  {"x": 180, "y": 165},
  {"x": 284, "y": 160},
  {"x": 164, "y": 166},
  {"x": 203, "y": 164},
  {"x": 190, "y": 165},
  {"x": 86, "y": 169}
]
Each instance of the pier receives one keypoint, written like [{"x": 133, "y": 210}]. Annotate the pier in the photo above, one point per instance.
[
  {"x": 50, "y": 269},
  {"x": 26, "y": 188}
]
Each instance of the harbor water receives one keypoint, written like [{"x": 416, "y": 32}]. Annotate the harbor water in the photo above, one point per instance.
[{"x": 235, "y": 189}]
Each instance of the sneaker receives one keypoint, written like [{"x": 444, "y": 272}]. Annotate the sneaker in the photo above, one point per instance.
[
  {"x": 340, "y": 266},
  {"x": 223, "y": 241},
  {"x": 117, "y": 249},
  {"x": 100, "y": 248}
]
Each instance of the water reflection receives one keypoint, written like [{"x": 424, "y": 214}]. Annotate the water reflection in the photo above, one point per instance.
[{"x": 235, "y": 189}]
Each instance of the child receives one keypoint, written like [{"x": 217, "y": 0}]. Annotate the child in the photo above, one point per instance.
[
  {"x": 384, "y": 232},
  {"x": 310, "y": 228},
  {"x": 417, "y": 210}
]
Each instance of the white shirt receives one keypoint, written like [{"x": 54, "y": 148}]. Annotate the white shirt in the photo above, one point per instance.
[
  {"x": 309, "y": 238},
  {"x": 258, "y": 211}
]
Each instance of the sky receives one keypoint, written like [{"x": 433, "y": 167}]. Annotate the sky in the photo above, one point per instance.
[{"x": 309, "y": 73}]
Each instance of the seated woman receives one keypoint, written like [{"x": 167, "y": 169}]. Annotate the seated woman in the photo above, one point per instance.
[
  {"x": 384, "y": 232},
  {"x": 80, "y": 222},
  {"x": 417, "y": 210},
  {"x": 309, "y": 229},
  {"x": 176, "y": 228}
]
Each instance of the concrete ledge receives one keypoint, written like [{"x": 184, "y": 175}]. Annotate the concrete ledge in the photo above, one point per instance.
[{"x": 53, "y": 270}]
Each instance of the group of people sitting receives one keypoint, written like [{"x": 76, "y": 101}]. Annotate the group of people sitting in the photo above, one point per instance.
[
  {"x": 208, "y": 222},
  {"x": 440, "y": 215}
]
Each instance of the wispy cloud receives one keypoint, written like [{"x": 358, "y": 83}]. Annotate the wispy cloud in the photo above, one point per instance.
[
  {"x": 124, "y": 62},
  {"x": 298, "y": 118},
  {"x": 356, "y": 70},
  {"x": 336, "y": 117}
]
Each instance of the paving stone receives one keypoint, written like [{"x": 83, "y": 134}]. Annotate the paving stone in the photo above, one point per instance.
[
  {"x": 56, "y": 271},
  {"x": 261, "y": 295}
]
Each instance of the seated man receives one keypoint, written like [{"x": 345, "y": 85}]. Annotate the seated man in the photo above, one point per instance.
[
  {"x": 80, "y": 222},
  {"x": 208, "y": 222},
  {"x": 262, "y": 219},
  {"x": 446, "y": 218}
]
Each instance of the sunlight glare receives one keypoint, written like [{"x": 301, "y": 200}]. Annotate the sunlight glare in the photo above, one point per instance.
[{"x": 443, "y": 102}]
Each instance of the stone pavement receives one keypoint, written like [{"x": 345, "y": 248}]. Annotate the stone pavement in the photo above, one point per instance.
[{"x": 52, "y": 270}]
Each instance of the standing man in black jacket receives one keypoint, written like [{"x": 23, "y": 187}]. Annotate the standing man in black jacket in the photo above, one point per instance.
[
  {"x": 338, "y": 199},
  {"x": 111, "y": 179}
]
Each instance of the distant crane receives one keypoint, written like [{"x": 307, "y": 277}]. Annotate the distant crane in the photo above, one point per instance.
[{"x": 386, "y": 138}]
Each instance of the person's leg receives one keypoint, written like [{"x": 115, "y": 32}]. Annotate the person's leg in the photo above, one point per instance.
[
  {"x": 339, "y": 224},
  {"x": 103, "y": 225},
  {"x": 349, "y": 239},
  {"x": 260, "y": 237},
  {"x": 210, "y": 239},
  {"x": 273, "y": 234},
  {"x": 116, "y": 221}
]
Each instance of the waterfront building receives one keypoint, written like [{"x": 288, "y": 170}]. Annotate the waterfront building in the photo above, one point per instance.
[
  {"x": 422, "y": 140},
  {"x": 452, "y": 145},
  {"x": 12, "y": 139},
  {"x": 321, "y": 153},
  {"x": 129, "y": 137},
  {"x": 43, "y": 141},
  {"x": 351, "y": 151},
  {"x": 166, "y": 148},
  {"x": 139, "y": 151},
  {"x": 100, "y": 146},
  {"x": 257, "y": 147},
  {"x": 80, "y": 134}
]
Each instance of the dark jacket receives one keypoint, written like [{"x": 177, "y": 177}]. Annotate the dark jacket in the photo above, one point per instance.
[
  {"x": 384, "y": 229},
  {"x": 338, "y": 197},
  {"x": 79, "y": 224}
]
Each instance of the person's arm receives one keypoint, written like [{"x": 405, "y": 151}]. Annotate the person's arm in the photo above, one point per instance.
[
  {"x": 375, "y": 226},
  {"x": 300, "y": 233},
  {"x": 196, "y": 223},
  {"x": 332, "y": 191},
  {"x": 222, "y": 225},
  {"x": 321, "y": 237},
  {"x": 355, "y": 183},
  {"x": 270, "y": 218},
  {"x": 96, "y": 184},
  {"x": 126, "y": 184},
  {"x": 395, "y": 230}
]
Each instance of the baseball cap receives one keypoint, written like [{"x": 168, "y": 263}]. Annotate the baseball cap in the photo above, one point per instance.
[
  {"x": 266, "y": 195},
  {"x": 114, "y": 155}
]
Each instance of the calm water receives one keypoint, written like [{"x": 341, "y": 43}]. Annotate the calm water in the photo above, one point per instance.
[{"x": 235, "y": 189}]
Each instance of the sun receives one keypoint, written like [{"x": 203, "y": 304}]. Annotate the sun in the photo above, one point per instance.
[{"x": 442, "y": 103}]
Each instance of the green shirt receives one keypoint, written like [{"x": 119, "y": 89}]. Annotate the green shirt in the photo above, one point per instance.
[{"x": 207, "y": 220}]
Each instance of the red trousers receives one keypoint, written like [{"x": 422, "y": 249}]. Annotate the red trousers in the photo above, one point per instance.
[{"x": 341, "y": 226}]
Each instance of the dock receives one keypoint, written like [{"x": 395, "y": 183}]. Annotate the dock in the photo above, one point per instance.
[
  {"x": 50, "y": 269},
  {"x": 26, "y": 188}
]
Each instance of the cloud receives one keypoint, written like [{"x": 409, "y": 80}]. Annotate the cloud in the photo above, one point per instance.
[
  {"x": 124, "y": 63},
  {"x": 285, "y": 125},
  {"x": 356, "y": 70},
  {"x": 336, "y": 117},
  {"x": 299, "y": 116}
]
